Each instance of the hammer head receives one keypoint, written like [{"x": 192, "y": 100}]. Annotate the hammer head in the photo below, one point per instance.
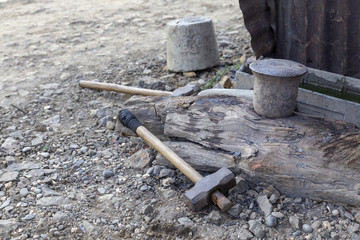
[{"x": 200, "y": 195}]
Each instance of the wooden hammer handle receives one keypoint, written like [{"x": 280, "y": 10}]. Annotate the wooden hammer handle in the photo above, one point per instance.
[
  {"x": 130, "y": 121},
  {"x": 123, "y": 89}
]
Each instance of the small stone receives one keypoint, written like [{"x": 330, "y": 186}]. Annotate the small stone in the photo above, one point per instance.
[
  {"x": 29, "y": 217},
  {"x": 83, "y": 149},
  {"x": 10, "y": 160},
  {"x": 274, "y": 198},
  {"x": 225, "y": 82},
  {"x": 264, "y": 205},
  {"x": 37, "y": 141},
  {"x": 74, "y": 146},
  {"x": 157, "y": 169},
  {"x": 108, "y": 174},
  {"x": 294, "y": 222},
  {"x": 185, "y": 221},
  {"x": 147, "y": 210},
  {"x": 101, "y": 190},
  {"x": 147, "y": 71},
  {"x": 353, "y": 228},
  {"x": 110, "y": 125},
  {"x": 89, "y": 228},
  {"x": 316, "y": 224},
  {"x": 347, "y": 215},
  {"x": 235, "y": 210},
  {"x": 150, "y": 171},
  {"x": 189, "y": 74},
  {"x": 277, "y": 214},
  {"x": 60, "y": 217},
  {"x": 326, "y": 225},
  {"x": 201, "y": 82},
  {"x": 335, "y": 212},
  {"x": 26, "y": 149},
  {"x": 297, "y": 233},
  {"x": 47, "y": 180},
  {"x": 164, "y": 173},
  {"x": 45, "y": 154},
  {"x": 271, "y": 221},
  {"x": 167, "y": 182},
  {"x": 307, "y": 228},
  {"x": 51, "y": 201},
  {"x": 5, "y": 204},
  {"x": 48, "y": 192},
  {"x": 144, "y": 188},
  {"x": 10, "y": 143},
  {"x": 241, "y": 185},
  {"x": 24, "y": 191},
  {"x": 243, "y": 234},
  {"x": 9, "y": 176},
  {"x": 357, "y": 217},
  {"x": 141, "y": 159},
  {"x": 257, "y": 228},
  {"x": 298, "y": 200},
  {"x": 186, "y": 90},
  {"x": 334, "y": 236},
  {"x": 355, "y": 236},
  {"x": 214, "y": 217}
]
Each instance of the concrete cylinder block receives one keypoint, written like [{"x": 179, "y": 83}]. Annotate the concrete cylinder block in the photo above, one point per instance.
[
  {"x": 276, "y": 86},
  {"x": 191, "y": 44}
]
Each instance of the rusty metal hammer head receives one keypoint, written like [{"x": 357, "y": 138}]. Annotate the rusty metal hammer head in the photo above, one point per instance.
[{"x": 200, "y": 195}]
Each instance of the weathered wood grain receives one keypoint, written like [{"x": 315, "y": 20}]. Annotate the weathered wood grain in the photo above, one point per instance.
[{"x": 300, "y": 155}]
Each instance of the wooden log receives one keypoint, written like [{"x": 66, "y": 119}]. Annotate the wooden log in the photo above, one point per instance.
[{"x": 300, "y": 155}]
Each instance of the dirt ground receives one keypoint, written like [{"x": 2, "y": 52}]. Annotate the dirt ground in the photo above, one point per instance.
[
  {"x": 66, "y": 172},
  {"x": 46, "y": 41}
]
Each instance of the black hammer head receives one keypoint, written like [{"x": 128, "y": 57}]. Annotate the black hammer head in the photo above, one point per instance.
[{"x": 200, "y": 195}]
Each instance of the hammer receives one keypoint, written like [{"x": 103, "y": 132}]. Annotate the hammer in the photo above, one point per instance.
[{"x": 206, "y": 188}]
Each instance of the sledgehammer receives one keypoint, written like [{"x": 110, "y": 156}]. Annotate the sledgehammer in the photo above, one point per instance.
[{"x": 206, "y": 188}]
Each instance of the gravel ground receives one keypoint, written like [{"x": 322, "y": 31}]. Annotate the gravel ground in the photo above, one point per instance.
[{"x": 66, "y": 172}]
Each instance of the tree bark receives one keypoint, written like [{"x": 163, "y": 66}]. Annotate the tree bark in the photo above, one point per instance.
[{"x": 300, "y": 155}]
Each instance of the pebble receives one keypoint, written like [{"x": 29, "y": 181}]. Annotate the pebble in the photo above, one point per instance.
[
  {"x": 29, "y": 217},
  {"x": 274, "y": 198},
  {"x": 349, "y": 216},
  {"x": 214, "y": 217},
  {"x": 144, "y": 188},
  {"x": 235, "y": 210},
  {"x": 101, "y": 190},
  {"x": 9, "y": 176},
  {"x": 24, "y": 191},
  {"x": 264, "y": 204},
  {"x": 277, "y": 214},
  {"x": 296, "y": 233},
  {"x": 316, "y": 224},
  {"x": 147, "y": 210},
  {"x": 26, "y": 149},
  {"x": 307, "y": 228},
  {"x": 186, "y": 90},
  {"x": 294, "y": 222},
  {"x": 271, "y": 221},
  {"x": 45, "y": 154},
  {"x": 5, "y": 204},
  {"x": 357, "y": 217},
  {"x": 241, "y": 185},
  {"x": 164, "y": 173},
  {"x": 257, "y": 228},
  {"x": 108, "y": 174},
  {"x": 185, "y": 221}
]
